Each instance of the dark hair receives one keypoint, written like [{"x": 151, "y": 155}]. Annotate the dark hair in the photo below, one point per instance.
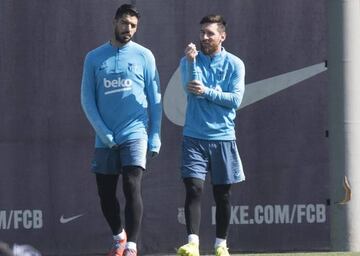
[
  {"x": 127, "y": 9},
  {"x": 212, "y": 18}
]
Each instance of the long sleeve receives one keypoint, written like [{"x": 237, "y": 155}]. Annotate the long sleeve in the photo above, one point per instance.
[
  {"x": 88, "y": 103},
  {"x": 233, "y": 98},
  {"x": 152, "y": 87},
  {"x": 210, "y": 116},
  {"x": 188, "y": 72}
]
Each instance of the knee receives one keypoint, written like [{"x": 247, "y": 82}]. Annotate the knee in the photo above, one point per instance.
[
  {"x": 194, "y": 190},
  {"x": 131, "y": 183},
  {"x": 132, "y": 180},
  {"x": 222, "y": 194}
]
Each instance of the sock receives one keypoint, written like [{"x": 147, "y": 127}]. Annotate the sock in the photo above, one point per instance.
[
  {"x": 120, "y": 236},
  {"x": 192, "y": 238},
  {"x": 131, "y": 246},
  {"x": 220, "y": 242}
]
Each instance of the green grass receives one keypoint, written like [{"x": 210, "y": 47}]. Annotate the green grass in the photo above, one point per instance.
[
  {"x": 303, "y": 254},
  {"x": 278, "y": 254}
]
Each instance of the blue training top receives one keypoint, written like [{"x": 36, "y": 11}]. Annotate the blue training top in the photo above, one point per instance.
[
  {"x": 120, "y": 95},
  {"x": 211, "y": 115}
]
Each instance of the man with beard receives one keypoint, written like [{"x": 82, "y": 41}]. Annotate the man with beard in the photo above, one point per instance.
[
  {"x": 120, "y": 95},
  {"x": 214, "y": 82}
]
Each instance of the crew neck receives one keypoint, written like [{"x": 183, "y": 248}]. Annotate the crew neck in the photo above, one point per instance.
[
  {"x": 216, "y": 56},
  {"x": 121, "y": 47}
]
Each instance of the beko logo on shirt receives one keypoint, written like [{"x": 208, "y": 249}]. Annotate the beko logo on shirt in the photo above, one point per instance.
[
  {"x": 18, "y": 219},
  {"x": 117, "y": 85}
]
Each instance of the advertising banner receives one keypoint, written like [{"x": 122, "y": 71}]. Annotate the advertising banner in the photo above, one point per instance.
[{"x": 48, "y": 196}]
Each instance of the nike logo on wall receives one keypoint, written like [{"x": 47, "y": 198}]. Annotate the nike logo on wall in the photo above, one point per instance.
[
  {"x": 64, "y": 220},
  {"x": 175, "y": 97}
]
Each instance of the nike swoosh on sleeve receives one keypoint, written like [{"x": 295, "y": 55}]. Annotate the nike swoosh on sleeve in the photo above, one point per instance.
[{"x": 175, "y": 97}]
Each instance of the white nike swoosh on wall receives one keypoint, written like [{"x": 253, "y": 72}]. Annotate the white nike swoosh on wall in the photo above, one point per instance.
[
  {"x": 175, "y": 98},
  {"x": 64, "y": 220}
]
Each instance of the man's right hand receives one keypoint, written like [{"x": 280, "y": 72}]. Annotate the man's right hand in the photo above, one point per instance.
[
  {"x": 191, "y": 52},
  {"x": 110, "y": 140}
]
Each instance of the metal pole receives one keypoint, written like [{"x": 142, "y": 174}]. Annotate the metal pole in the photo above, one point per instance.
[{"x": 344, "y": 123}]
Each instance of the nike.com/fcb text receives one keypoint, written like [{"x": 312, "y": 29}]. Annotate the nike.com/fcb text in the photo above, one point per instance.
[
  {"x": 21, "y": 219},
  {"x": 276, "y": 214}
]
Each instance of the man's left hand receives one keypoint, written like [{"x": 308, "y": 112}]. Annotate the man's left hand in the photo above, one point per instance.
[
  {"x": 152, "y": 154},
  {"x": 196, "y": 87}
]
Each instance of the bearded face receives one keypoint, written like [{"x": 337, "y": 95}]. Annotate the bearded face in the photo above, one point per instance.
[
  {"x": 125, "y": 28},
  {"x": 209, "y": 47},
  {"x": 122, "y": 37},
  {"x": 211, "y": 38}
]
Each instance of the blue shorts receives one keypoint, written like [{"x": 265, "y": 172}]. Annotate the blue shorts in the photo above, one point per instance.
[
  {"x": 220, "y": 158},
  {"x": 111, "y": 160}
]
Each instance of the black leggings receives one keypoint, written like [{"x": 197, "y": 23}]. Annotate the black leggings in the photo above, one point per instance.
[
  {"x": 110, "y": 206},
  {"x": 194, "y": 189}
]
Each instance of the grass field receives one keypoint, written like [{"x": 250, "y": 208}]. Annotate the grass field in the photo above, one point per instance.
[
  {"x": 304, "y": 254},
  {"x": 286, "y": 254}
]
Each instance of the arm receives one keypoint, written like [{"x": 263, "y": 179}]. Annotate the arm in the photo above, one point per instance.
[
  {"x": 188, "y": 66},
  {"x": 185, "y": 73},
  {"x": 152, "y": 88},
  {"x": 231, "y": 99},
  {"x": 88, "y": 103}
]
